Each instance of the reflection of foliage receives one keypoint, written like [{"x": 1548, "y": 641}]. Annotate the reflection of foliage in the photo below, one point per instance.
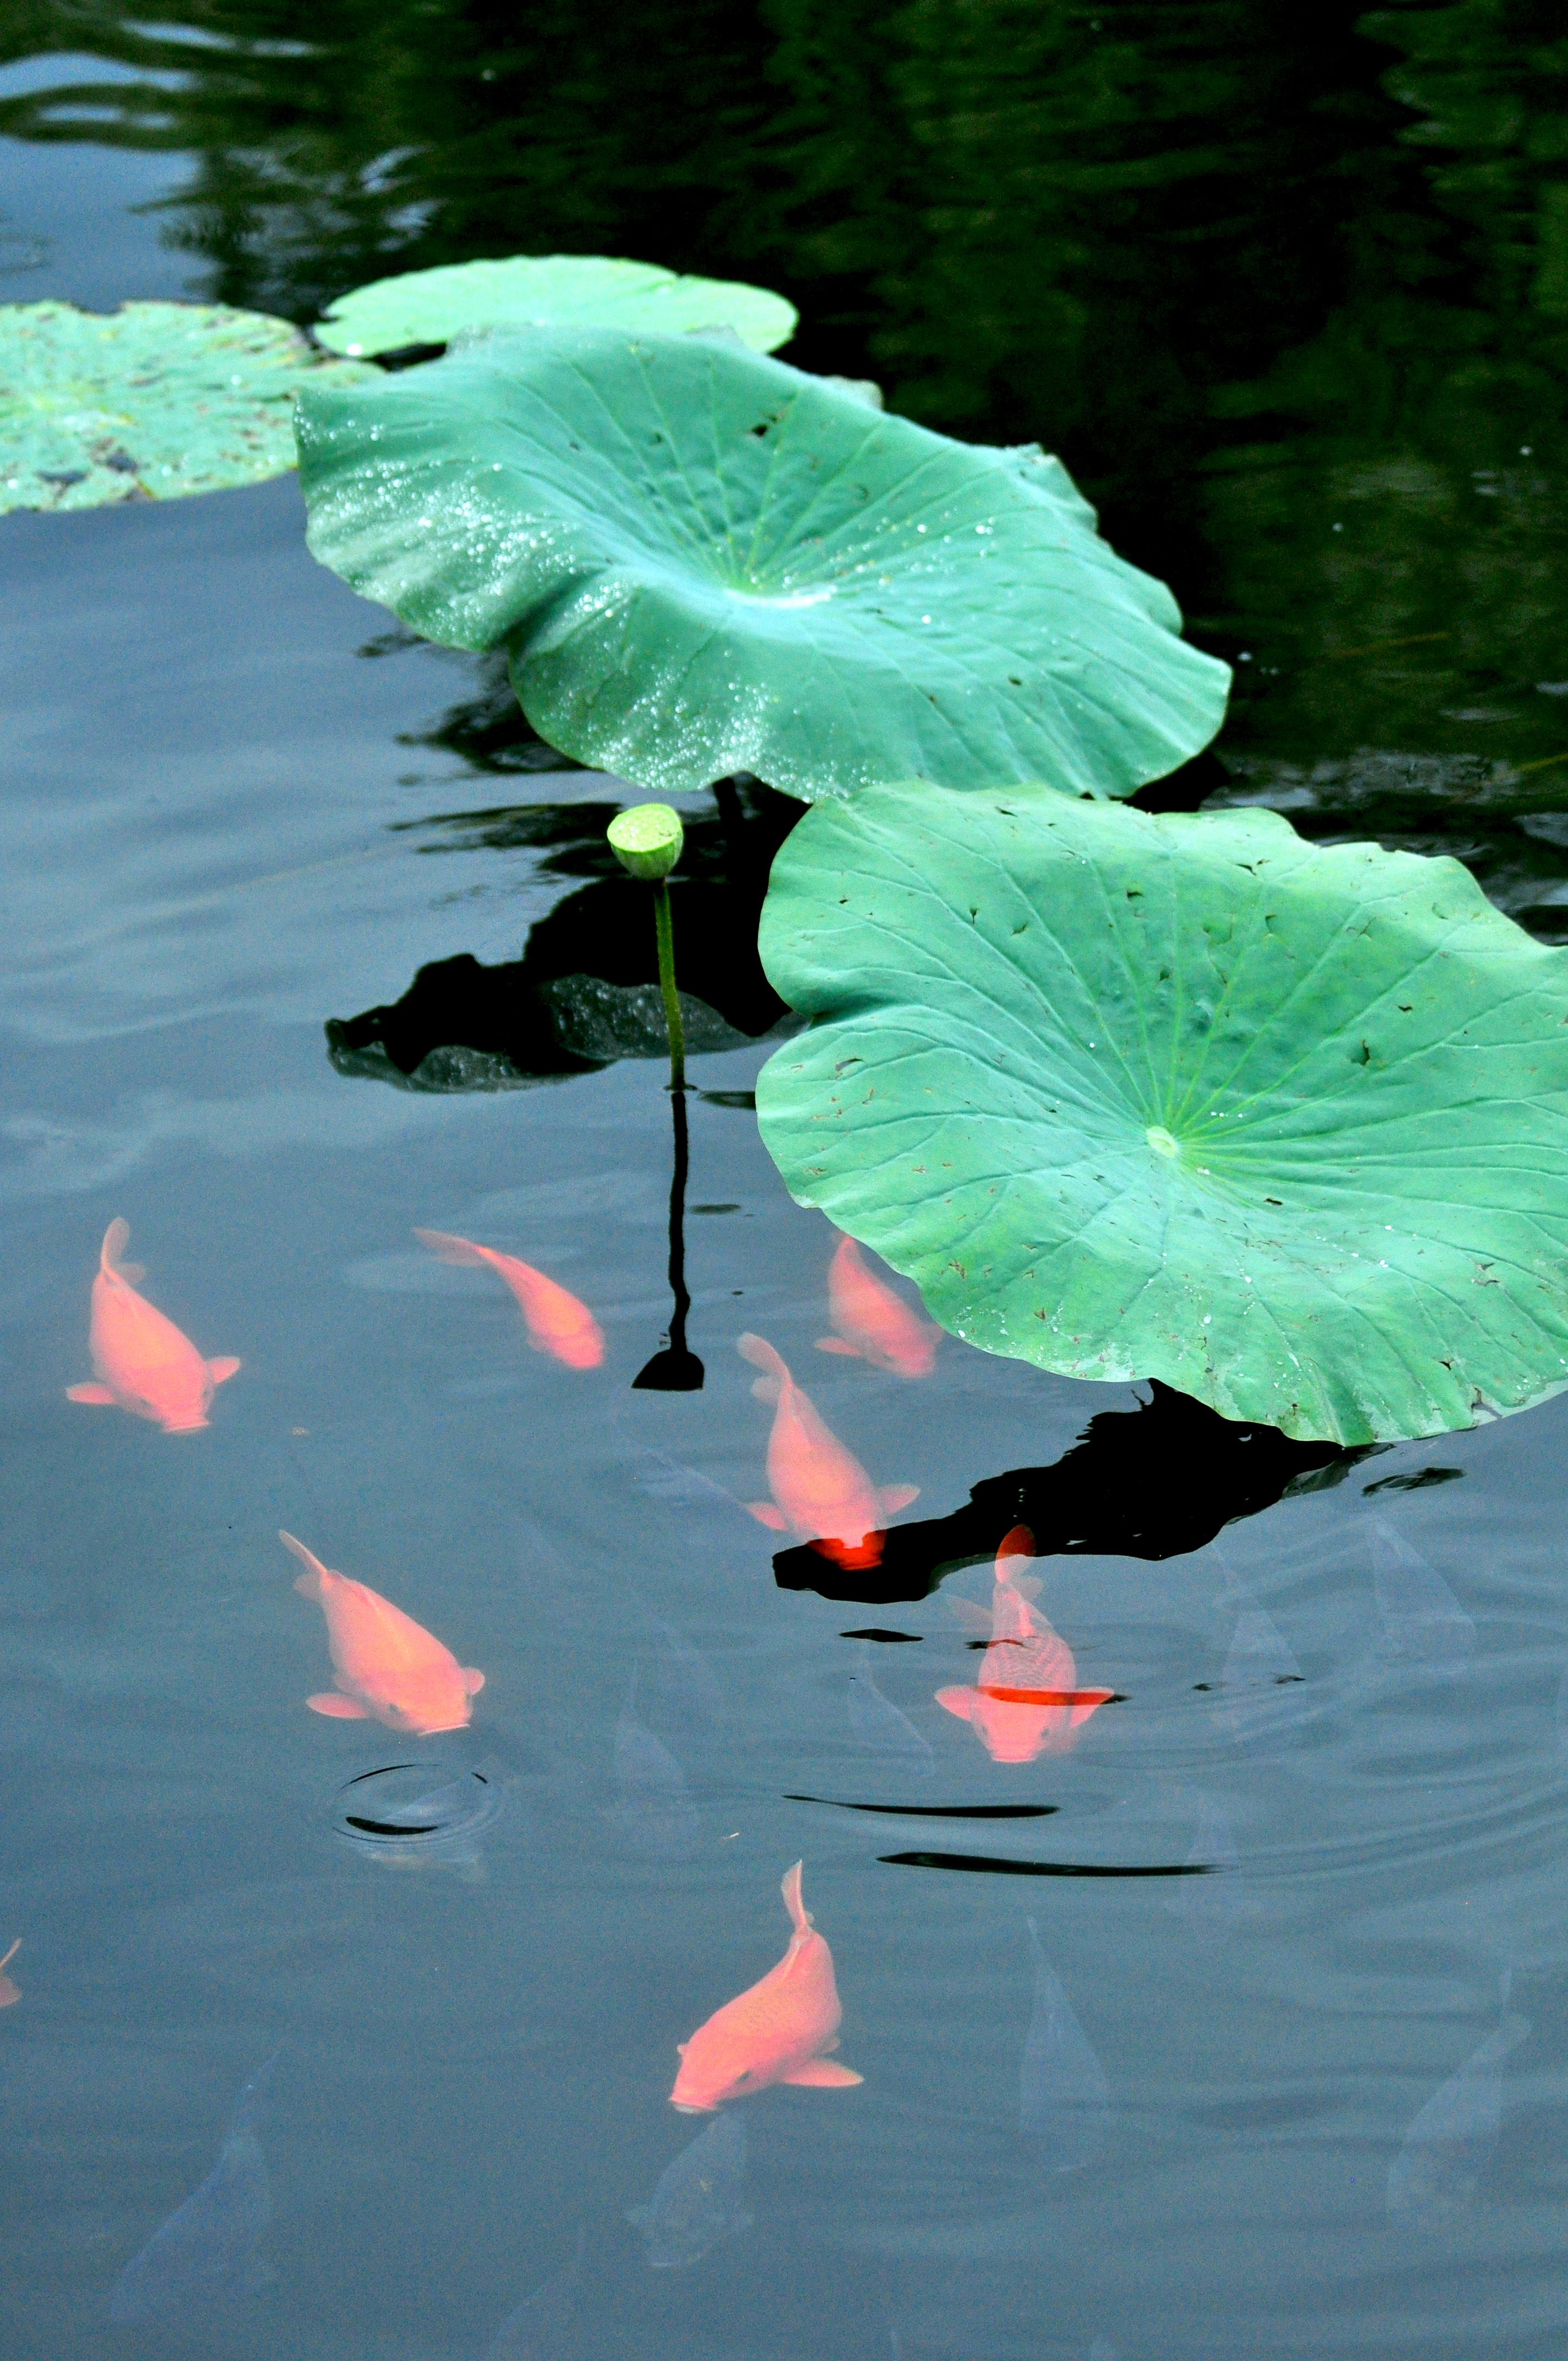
[{"x": 1254, "y": 271}]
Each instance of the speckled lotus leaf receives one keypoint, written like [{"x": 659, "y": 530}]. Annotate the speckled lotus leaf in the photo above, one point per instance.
[
  {"x": 701, "y": 561},
  {"x": 149, "y": 403},
  {"x": 1182, "y": 1097},
  {"x": 549, "y": 291}
]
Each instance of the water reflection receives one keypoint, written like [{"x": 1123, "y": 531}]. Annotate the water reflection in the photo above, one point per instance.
[
  {"x": 586, "y": 990},
  {"x": 1154, "y": 1482},
  {"x": 699, "y": 2201},
  {"x": 202, "y": 2259},
  {"x": 1064, "y": 2098},
  {"x": 1443, "y": 2158}
]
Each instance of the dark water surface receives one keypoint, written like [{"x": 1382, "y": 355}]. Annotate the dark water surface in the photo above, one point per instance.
[{"x": 1289, "y": 294}]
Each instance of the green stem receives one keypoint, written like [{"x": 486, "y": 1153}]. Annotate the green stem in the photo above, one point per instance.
[{"x": 667, "y": 986}]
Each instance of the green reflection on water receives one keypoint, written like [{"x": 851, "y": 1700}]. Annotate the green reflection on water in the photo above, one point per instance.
[{"x": 1291, "y": 297}]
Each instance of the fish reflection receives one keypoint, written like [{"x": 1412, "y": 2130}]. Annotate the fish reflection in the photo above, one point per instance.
[
  {"x": 557, "y": 1322},
  {"x": 879, "y": 1726},
  {"x": 870, "y": 1323},
  {"x": 1064, "y": 2100},
  {"x": 653, "y": 1811},
  {"x": 203, "y": 2256},
  {"x": 1434, "y": 2180},
  {"x": 779, "y": 2030},
  {"x": 684, "y": 1682},
  {"x": 1027, "y": 1701},
  {"x": 543, "y": 2327},
  {"x": 821, "y": 1493},
  {"x": 388, "y": 1667},
  {"x": 145, "y": 1364},
  {"x": 1423, "y": 1622},
  {"x": 698, "y": 2201},
  {"x": 1259, "y": 1684},
  {"x": 10, "y": 1993},
  {"x": 1211, "y": 1905}
]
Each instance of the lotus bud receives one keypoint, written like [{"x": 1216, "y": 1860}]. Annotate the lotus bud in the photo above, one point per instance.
[{"x": 647, "y": 839}]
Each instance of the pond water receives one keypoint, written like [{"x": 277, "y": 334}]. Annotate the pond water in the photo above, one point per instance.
[{"x": 1241, "y": 2025}]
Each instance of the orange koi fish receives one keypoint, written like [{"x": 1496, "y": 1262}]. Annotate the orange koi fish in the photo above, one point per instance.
[
  {"x": 9, "y": 1992},
  {"x": 778, "y": 2031},
  {"x": 1025, "y": 1702},
  {"x": 820, "y": 1490},
  {"x": 388, "y": 1667},
  {"x": 145, "y": 1365},
  {"x": 872, "y": 1324},
  {"x": 557, "y": 1322}
]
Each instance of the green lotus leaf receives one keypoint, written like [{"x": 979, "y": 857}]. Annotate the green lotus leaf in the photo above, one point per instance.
[
  {"x": 547, "y": 291},
  {"x": 702, "y": 562},
  {"x": 149, "y": 403},
  {"x": 1182, "y": 1097}
]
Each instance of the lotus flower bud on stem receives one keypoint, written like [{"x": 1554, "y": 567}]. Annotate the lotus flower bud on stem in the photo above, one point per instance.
[{"x": 647, "y": 841}]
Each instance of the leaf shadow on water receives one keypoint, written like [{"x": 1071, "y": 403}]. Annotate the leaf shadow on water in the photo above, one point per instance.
[{"x": 1155, "y": 1482}]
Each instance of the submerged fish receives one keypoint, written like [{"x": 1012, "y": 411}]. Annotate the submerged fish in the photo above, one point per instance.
[
  {"x": 9, "y": 1992},
  {"x": 877, "y": 1724},
  {"x": 1064, "y": 2100},
  {"x": 653, "y": 1811},
  {"x": 203, "y": 2256},
  {"x": 697, "y": 2199},
  {"x": 543, "y": 2327},
  {"x": 821, "y": 1493},
  {"x": 557, "y": 1322},
  {"x": 144, "y": 1363},
  {"x": 1434, "y": 2180},
  {"x": 779, "y": 2030},
  {"x": 1423, "y": 1622},
  {"x": 684, "y": 1682},
  {"x": 1214, "y": 1902},
  {"x": 388, "y": 1667},
  {"x": 1027, "y": 1701},
  {"x": 872, "y": 1324}
]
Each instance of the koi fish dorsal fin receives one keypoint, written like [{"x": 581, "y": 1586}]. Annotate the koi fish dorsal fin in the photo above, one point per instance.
[
  {"x": 447, "y": 1248},
  {"x": 762, "y": 1355},
  {"x": 800, "y": 1917},
  {"x": 309, "y": 1583},
  {"x": 116, "y": 1238}
]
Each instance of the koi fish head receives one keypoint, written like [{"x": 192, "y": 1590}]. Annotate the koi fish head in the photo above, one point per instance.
[{"x": 708, "y": 2082}]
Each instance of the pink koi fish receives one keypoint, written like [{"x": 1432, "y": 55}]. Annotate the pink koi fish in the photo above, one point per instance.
[
  {"x": 871, "y": 1322},
  {"x": 388, "y": 1667},
  {"x": 821, "y": 1493},
  {"x": 145, "y": 1365},
  {"x": 1025, "y": 1702},
  {"x": 557, "y": 1322},
  {"x": 778, "y": 2031}
]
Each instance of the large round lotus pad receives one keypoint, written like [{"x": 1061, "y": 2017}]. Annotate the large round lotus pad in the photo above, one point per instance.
[
  {"x": 704, "y": 562},
  {"x": 549, "y": 291},
  {"x": 149, "y": 403},
  {"x": 1182, "y": 1098}
]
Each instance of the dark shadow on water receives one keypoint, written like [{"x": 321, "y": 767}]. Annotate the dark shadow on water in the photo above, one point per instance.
[
  {"x": 1154, "y": 1482},
  {"x": 998, "y": 1866},
  {"x": 586, "y": 990}
]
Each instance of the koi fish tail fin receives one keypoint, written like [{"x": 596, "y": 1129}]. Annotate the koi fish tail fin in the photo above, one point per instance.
[
  {"x": 961, "y": 1701},
  {"x": 447, "y": 1248},
  {"x": 770, "y": 1387},
  {"x": 116, "y": 1238},
  {"x": 800, "y": 1917},
  {"x": 310, "y": 1584}
]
